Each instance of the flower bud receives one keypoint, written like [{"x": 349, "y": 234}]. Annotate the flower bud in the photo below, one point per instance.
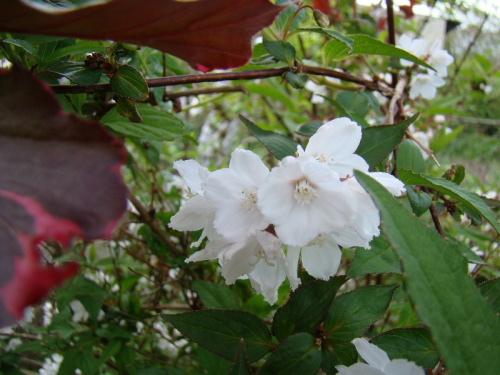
[{"x": 321, "y": 18}]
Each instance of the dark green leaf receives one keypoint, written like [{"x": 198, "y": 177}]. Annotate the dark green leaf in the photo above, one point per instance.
[
  {"x": 297, "y": 81},
  {"x": 469, "y": 199},
  {"x": 156, "y": 124},
  {"x": 26, "y": 46},
  {"x": 277, "y": 144},
  {"x": 420, "y": 201},
  {"x": 240, "y": 364},
  {"x": 463, "y": 324},
  {"x": 211, "y": 363},
  {"x": 310, "y": 128},
  {"x": 413, "y": 344},
  {"x": 380, "y": 259},
  {"x": 410, "y": 157},
  {"x": 68, "y": 365},
  {"x": 491, "y": 291},
  {"x": 344, "y": 112},
  {"x": 221, "y": 331},
  {"x": 455, "y": 174},
  {"x": 364, "y": 44},
  {"x": 129, "y": 82},
  {"x": 281, "y": 50},
  {"x": 298, "y": 354},
  {"x": 127, "y": 108},
  {"x": 306, "y": 307},
  {"x": 378, "y": 141},
  {"x": 340, "y": 353},
  {"x": 216, "y": 296},
  {"x": 353, "y": 102},
  {"x": 77, "y": 72},
  {"x": 113, "y": 331},
  {"x": 351, "y": 314}
]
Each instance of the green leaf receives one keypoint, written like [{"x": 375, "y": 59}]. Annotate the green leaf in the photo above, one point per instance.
[
  {"x": 410, "y": 157},
  {"x": 469, "y": 199},
  {"x": 309, "y": 128},
  {"x": 351, "y": 314},
  {"x": 335, "y": 50},
  {"x": 277, "y": 144},
  {"x": 77, "y": 72},
  {"x": 297, "y": 81},
  {"x": 27, "y": 47},
  {"x": 211, "y": 363},
  {"x": 306, "y": 307},
  {"x": 281, "y": 50},
  {"x": 129, "y": 82},
  {"x": 344, "y": 112},
  {"x": 413, "y": 344},
  {"x": 127, "y": 108},
  {"x": 346, "y": 40},
  {"x": 221, "y": 331},
  {"x": 68, "y": 365},
  {"x": 364, "y": 44},
  {"x": 491, "y": 291},
  {"x": 271, "y": 92},
  {"x": 298, "y": 354},
  {"x": 380, "y": 259},
  {"x": 342, "y": 353},
  {"x": 156, "y": 124},
  {"x": 463, "y": 324},
  {"x": 240, "y": 364},
  {"x": 353, "y": 102},
  {"x": 420, "y": 201},
  {"x": 377, "y": 142},
  {"x": 455, "y": 174},
  {"x": 216, "y": 296}
]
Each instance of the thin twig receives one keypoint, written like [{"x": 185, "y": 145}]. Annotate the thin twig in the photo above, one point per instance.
[
  {"x": 152, "y": 223},
  {"x": 398, "y": 93},
  {"x": 466, "y": 53},
  {"x": 427, "y": 150},
  {"x": 434, "y": 216},
  {"x": 226, "y": 76}
]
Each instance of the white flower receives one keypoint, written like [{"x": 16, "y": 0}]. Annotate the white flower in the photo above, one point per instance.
[
  {"x": 417, "y": 47},
  {"x": 425, "y": 85},
  {"x": 317, "y": 91},
  {"x": 51, "y": 365},
  {"x": 334, "y": 144},
  {"x": 378, "y": 363},
  {"x": 233, "y": 192},
  {"x": 259, "y": 256},
  {"x": 197, "y": 212},
  {"x": 439, "y": 59},
  {"x": 80, "y": 314},
  {"x": 303, "y": 198}
]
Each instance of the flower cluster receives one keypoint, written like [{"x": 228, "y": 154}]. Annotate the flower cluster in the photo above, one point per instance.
[
  {"x": 426, "y": 84},
  {"x": 309, "y": 205},
  {"x": 378, "y": 363}
]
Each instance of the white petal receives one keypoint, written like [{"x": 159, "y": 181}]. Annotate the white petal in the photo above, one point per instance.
[
  {"x": 372, "y": 354},
  {"x": 266, "y": 278},
  {"x": 403, "y": 367},
  {"x": 395, "y": 186},
  {"x": 193, "y": 174},
  {"x": 321, "y": 258},
  {"x": 211, "y": 250},
  {"x": 194, "y": 214},
  {"x": 238, "y": 259},
  {"x": 358, "y": 369},
  {"x": 292, "y": 263},
  {"x": 337, "y": 137},
  {"x": 248, "y": 167}
]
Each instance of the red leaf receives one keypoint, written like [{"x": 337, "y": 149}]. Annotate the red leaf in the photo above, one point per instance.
[
  {"x": 209, "y": 34},
  {"x": 60, "y": 179}
]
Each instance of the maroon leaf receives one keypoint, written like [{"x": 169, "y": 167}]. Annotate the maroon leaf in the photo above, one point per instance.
[
  {"x": 60, "y": 179},
  {"x": 209, "y": 34}
]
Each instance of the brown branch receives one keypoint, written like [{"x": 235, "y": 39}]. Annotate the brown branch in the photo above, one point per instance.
[
  {"x": 153, "y": 224},
  {"x": 226, "y": 76}
]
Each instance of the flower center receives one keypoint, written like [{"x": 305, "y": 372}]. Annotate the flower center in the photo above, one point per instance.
[
  {"x": 304, "y": 193},
  {"x": 249, "y": 200},
  {"x": 321, "y": 158}
]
